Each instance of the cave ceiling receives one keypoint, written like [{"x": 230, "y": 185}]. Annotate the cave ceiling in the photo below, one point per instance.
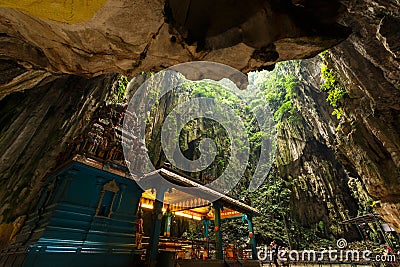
[{"x": 89, "y": 38}]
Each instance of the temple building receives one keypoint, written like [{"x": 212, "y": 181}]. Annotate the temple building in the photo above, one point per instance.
[{"x": 90, "y": 209}]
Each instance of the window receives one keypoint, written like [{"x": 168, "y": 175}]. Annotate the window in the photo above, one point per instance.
[{"x": 107, "y": 198}]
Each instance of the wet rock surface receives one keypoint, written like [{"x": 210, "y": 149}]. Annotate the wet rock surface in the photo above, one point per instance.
[
  {"x": 369, "y": 140},
  {"x": 131, "y": 36},
  {"x": 36, "y": 126},
  {"x": 306, "y": 157}
]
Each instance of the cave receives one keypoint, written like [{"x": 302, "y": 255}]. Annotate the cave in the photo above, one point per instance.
[{"x": 329, "y": 72}]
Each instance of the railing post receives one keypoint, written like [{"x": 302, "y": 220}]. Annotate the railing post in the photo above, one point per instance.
[
  {"x": 167, "y": 226},
  {"x": 253, "y": 243},
  {"x": 206, "y": 224},
  {"x": 155, "y": 230},
  {"x": 218, "y": 233}
]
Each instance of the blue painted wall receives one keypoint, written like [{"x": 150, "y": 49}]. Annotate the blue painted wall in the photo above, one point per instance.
[{"x": 65, "y": 231}]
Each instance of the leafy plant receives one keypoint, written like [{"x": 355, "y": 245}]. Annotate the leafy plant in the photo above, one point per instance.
[
  {"x": 279, "y": 88},
  {"x": 332, "y": 86},
  {"x": 118, "y": 92}
]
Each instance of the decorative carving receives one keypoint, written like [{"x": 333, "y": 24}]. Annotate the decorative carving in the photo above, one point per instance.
[
  {"x": 111, "y": 186},
  {"x": 105, "y": 209},
  {"x": 102, "y": 141}
]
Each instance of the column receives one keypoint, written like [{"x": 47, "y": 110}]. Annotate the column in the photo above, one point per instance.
[
  {"x": 155, "y": 230},
  {"x": 206, "y": 224},
  {"x": 167, "y": 226},
  {"x": 253, "y": 243},
  {"x": 218, "y": 234}
]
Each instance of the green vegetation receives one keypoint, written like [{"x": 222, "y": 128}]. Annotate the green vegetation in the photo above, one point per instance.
[
  {"x": 273, "y": 201},
  {"x": 118, "y": 92},
  {"x": 275, "y": 197},
  {"x": 279, "y": 89},
  {"x": 332, "y": 86},
  {"x": 207, "y": 128}
]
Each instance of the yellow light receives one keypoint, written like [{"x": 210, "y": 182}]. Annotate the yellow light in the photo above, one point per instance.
[
  {"x": 178, "y": 213},
  {"x": 197, "y": 218},
  {"x": 182, "y": 214},
  {"x": 147, "y": 206},
  {"x": 150, "y": 207}
]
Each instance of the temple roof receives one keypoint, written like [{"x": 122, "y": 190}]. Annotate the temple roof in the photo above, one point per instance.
[
  {"x": 101, "y": 146},
  {"x": 176, "y": 195},
  {"x": 178, "y": 199}
]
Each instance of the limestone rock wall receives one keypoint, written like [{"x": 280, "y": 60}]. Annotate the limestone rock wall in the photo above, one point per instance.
[
  {"x": 36, "y": 126},
  {"x": 130, "y": 36},
  {"x": 369, "y": 139},
  {"x": 127, "y": 36},
  {"x": 321, "y": 192}
]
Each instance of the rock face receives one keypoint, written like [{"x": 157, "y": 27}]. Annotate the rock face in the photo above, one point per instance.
[
  {"x": 130, "y": 36},
  {"x": 369, "y": 140},
  {"x": 15, "y": 78},
  {"x": 321, "y": 191},
  {"x": 320, "y": 187},
  {"x": 35, "y": 128}
]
